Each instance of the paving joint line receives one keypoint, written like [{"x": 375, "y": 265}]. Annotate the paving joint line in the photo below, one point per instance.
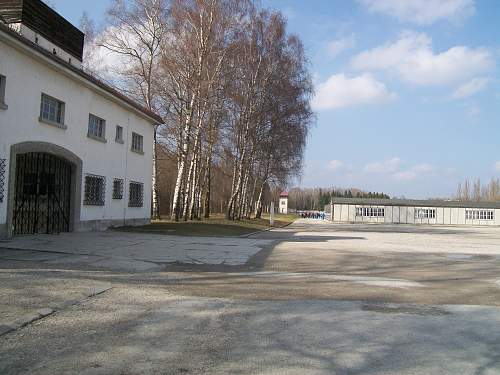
[
  {"x": 44, "y": 312},
  {"x": 264, "y": 230}
]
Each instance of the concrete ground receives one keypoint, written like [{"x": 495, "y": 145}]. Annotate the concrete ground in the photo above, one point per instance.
[{"x": 314, "y": 298}]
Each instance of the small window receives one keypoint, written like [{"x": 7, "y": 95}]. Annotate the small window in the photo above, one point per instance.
[
  {"x": 3, "y": 82},
  {"x": 137, "y": 142},
  {"x": 97, "y": 127},
  {"x": 52, "y": 110},
  {"x": 117, "y": 188},
  {"x": 95, "y": 190},
  {"x": 119, "y": 134},
  {"x": 136, "y": 194}
]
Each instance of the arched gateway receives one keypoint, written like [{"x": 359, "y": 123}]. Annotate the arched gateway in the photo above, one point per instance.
[{"x": 45, "y": 185}]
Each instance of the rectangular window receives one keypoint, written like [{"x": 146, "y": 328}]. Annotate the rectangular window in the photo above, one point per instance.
[
  {"x": 95, "y": 190},
  {"x": 136, "y": 194},
  {"x": 3, "y": 83},
  {"x": 479, "y": 215},
  {"x": 137, "y": 141},
  {"x": 117, "y": 188},
  {"x": 425, "y": 213},
  {"x": 370, "y": 211},
  {"x": 52, "y": 110},
  {"x": 119, "y": 134},
  {"x": 97, "y": 127}
]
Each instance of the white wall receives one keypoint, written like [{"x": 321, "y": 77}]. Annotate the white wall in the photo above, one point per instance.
[
  {"x": 33, "y": 36},
  {"x": 27, "y": 78},
  {"x": 283, "y": 205},
  {"x": 406, "y": 215}
]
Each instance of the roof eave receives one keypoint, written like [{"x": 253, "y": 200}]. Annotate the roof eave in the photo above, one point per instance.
[{"x": 19, "y": 42}]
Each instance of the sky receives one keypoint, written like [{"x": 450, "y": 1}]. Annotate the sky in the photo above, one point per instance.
[{"x": 407, "y": 94}]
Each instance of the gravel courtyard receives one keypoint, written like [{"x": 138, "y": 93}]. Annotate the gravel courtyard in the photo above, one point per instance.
[{"x": 311, "y": 298}]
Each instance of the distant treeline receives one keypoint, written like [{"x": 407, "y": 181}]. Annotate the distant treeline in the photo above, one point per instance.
[
  {"x": 318, "y": 198},
  {"x": 476, "y": 191}
]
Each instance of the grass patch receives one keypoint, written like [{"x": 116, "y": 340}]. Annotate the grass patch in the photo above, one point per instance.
[{"x": 216, "y": 225}]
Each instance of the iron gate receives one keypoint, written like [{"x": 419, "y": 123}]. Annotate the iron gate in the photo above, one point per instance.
[{"x": 42, "y": 194}]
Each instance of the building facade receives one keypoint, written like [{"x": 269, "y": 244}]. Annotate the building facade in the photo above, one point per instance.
[
  {"x": 402, "y": 211},
  {"x": 283, "y": 203},
  {"x": 75, "y": 154}
]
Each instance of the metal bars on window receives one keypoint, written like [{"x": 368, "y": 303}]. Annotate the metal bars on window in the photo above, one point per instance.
[
  {"x": 95, "y": 190},
  {"x": 135, "y": 194},
  {"x": 3, "y": 166},
  {"x": 117, "y": 188}
]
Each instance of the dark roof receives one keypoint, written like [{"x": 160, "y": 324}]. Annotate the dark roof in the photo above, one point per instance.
[
  {"x": 45, "y": 21},
  {"x": 415, "y": 203},
  {"x": 284, "y": 194},
  {"x": 82, "y": 74}
]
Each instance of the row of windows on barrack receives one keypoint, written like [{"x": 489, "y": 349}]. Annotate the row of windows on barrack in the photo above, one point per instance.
[{"x": 95, "y": 191}]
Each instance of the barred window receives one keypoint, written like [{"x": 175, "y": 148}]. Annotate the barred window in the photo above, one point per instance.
[
  {"x": 51, "y": 109},
  {"x": 97, "y": 127},
  {"x": 137, "y": 142},
  {"x": 3, "y": 164},
  {"x": 479, "y": 215},
  {"x": 95, "y": 190},
  {"x": 425, "y": 213},
  {"x": 136, "y": 194},
  {"x": 370, "y": 211},
  {"x": 117, "y": 188}
]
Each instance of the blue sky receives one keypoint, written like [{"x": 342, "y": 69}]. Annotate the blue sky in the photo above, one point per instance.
[{"x": 407, "y": 93}]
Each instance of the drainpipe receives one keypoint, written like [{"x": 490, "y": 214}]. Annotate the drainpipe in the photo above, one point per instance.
[{"x": 125, "y": 177}]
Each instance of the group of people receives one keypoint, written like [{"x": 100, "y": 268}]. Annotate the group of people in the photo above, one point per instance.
[{"x": 312, "y": 215}]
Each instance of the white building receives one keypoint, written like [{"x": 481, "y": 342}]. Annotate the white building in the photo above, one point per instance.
[
  {"x": 402, "y": 211},
  {"x": 283, "y": 206},
  {"x": 75, "y": 154}
]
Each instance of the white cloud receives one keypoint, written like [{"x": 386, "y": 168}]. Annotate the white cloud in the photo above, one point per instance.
[
  {"x": 335, "y": 165},
  {"x": 386, "y": 166},
  {"x": 395, "y": 169},
  {"x": 422, "y": 12},
  {"x": 414, "y": 172},
  {"x": 337, "y": 46},
  {"x": 340, "y": 91},
  {"x": 496, "y": 166},
  {"x": 470, "y": 88},
  {"x": 423, "y": 168},
  {"x": 411, "y": 57}
]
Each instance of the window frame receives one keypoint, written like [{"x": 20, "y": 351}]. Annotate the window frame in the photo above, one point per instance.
[
  {"x": 3, "y": 87},
  {"x": 370, "y": 211},
  {"x": 478, "y": 214},
  {"x": 135, "y": 203},
  {"x": 119, "y": 139},
  {"x": 132, "y": 143},
  {"x": 90, "y": 134},
  {"x": 118, "y": 188},
  {"x": 61, "y": 107},
  {"x": 98, "y": 198}
]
